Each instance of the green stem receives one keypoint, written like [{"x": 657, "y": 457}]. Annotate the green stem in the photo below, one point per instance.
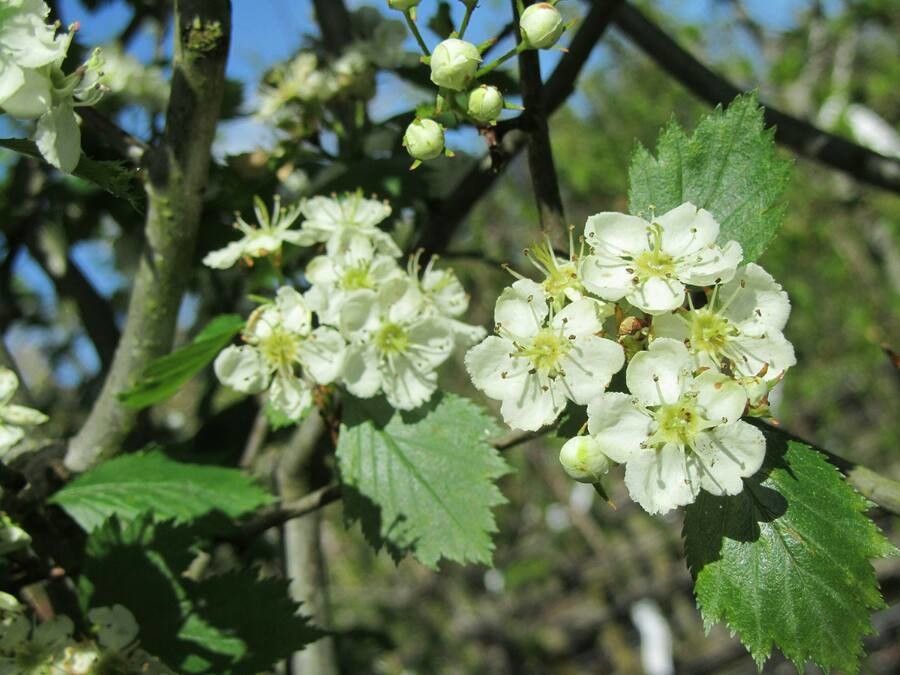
[
  {"x": 465, "y": 22},
  {"x": 416, "y": 34},
  {"x": 484, "y": 70}
]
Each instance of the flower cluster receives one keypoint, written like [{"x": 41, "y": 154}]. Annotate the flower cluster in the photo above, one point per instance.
[
  {"x": 34, "y": 86},
  {"x": 14, "y": 419},
  {"x": 456, "y": 67},
  {"x": 700, "y": 332},
  {"x": 49, "y": 648},
  {"x": 364, "y": 322}
]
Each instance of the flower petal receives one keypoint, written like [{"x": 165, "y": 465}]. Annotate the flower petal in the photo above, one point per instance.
[
  {"x": 711, "y": 265},
  {"x": 618, "y": 425},
  {"x": 530, "y": 405},
  {"x": 606, "y": 276},
  {"x": 361, "y": 375},
  {"x": 492, "y": 368},
  {"x": 242, "y": 369},
  {"x": 657, "y": 295},
  {"x": 9, "y": 382},
  {"x": 58, "y": 137},
  {"x": 290, "y": 396},
  {"x": 322, "y": 354},
  {"x": 9, "y": 436},
  {"x": 686, "y": 229},
  {"x": 660, "y": 374},
  {"x": 616, "y": 234},
  {"x": 589, "y": 366},
  {"x": 670, "y": 326},
  {"x": 21, "y": 416},
  {"x": 430, "y": 343},
  {"x": 295, "y": 315},
  {"x": 722, "y": 398},
  {"x": 761, "y": 299},
  {"x": 772, "y": 352},
  {"x": 521, "y": 309},
  {"x": 660, "y": 480},
  {"x": 407, "y": 387},
  {"x": 223, "y": 258},
  {"x": 581, "y": 318},
  {"x": 727, "y": 454}
]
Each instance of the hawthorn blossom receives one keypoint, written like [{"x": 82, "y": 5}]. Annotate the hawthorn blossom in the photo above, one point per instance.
[
  {"x": 649, "y": 263},
  {"x": 27, "y": 42},
  {"x": 341, "y": 221},
  {"x": 538, "y": 360},
  {"x": 395, "y": 345},
  {"x": 444, "y": 297},
  {"x": 738, "y": 331},
  {"x": 265, "y": 239},
  {"x": 677, "y": 432},
  {"x": 279, "y": 339},
  {"x": 14, "y": 419}
]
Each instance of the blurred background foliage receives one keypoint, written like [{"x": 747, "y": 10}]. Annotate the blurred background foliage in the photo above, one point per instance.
[{"x": 578, "y": 586}]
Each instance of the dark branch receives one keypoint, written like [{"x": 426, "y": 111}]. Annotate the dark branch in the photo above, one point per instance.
[
  {"x": 334, "y": 23},
  {"x": 861, "y": 163},
  {"x": 129, "y": 147}
]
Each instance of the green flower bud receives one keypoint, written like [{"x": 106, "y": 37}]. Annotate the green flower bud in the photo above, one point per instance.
[
  {"x": 424, "y": 139},
  {"x": 453, "y": 64},
  {"x": 32, "y": 99},
  {"x": 403, "y": 5},
  {"x": 485, "y": 104},
  {"x": 583, "y": 459},
  {"x": 541, "y": 25}
]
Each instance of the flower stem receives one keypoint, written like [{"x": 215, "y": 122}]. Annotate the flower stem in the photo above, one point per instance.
[
  {"x": 470, "y": 7},
  {"x": 416, "y": 34},
  {"x": 499, "y": 60}
]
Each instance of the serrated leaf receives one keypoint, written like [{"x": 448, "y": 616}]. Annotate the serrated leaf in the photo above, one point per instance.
[
  {"x": 430, "y": 471},
  {"x": 115, "y": 178},
  {"x": 150, "y": 481},
  {"x": 786, "y": 562},
  {"x": 164, "y": 376},
  {"x": 728, "y": 166}
]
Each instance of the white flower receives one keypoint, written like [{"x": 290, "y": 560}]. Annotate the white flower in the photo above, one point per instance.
[
  {"x": 677, "y": 433},
  {"x": 739, "y": 330},
  {"x": 537, "y": 362},
  {"x": 279, "y": 339},
  {"x": 266, "y": 239},
  {"x": 27, "y": 42},
  {"x": 583, "y": 459},
  {"x": 444, "y": 297},
  {"x": 649, "y": 263},
  {"x": 342, "y": 221},
  {"x": 395, "y": 345},
  {"x": 562, "y": 278},
  {"x": 13, "y": 418},
  {"x": 541, "y": 25},
  {"x": 454, "y": 63},
  {"x": 116, "y": 627},
  {"x": 335, "y": 277}
]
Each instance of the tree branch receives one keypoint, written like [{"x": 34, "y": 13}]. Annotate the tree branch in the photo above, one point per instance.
[
  {"x": 544, "y": 181},
  {"x": 334, "y": 23},
  {"x": 177, "y": 172},
  {"x": 860, "y": 163}
]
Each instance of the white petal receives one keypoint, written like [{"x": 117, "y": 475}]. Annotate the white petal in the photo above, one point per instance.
[
  {"x": 21, "y": 416},
  {"x": 402, "y": 299},
  {"x": 761, "y": 300},
  {"x": 722, "y": 398},
  {"x": 660, "y": 374},
  {"x": 657, "y": 295},
  {"x": 728, "y": 453},
  {"x": 361, "y": 375},
  {"x": 9, "y": 436},
  {"x": 322, "y": 354},
  {"x": 670, "y": 326},
  {"x": 686, "y": 229},
  {"x": 242, "y": 368},
  {"x": 521, "y": 308},
  {"x": 430, "y": 343},
  {"x": 711, "y": 265},
  {"x": 606, "y": 276},
  {"x": 224, "y": 258},
  {"x": 295, "y": 315},
  {"x": 358, "y": 312},
  {"x": 660, "y": 480},
  {"x": 531, "y": 406},
  {"x": 322, "y": 270},
  {"x": 493, "y": 369},
  {"x": 290, "y": 396},
  {"x": 9, "y": 382},
  {"x": 407, "y": 387},
  {"x": 590, "y": 365},
  {"x": 53, "y": 634},
  {"x": 32, "y": 99},
  {"x": 581, "y": 318},
  {"x": 465, "y": 334},
  {"x": 11, "y": 78},
  {"x": 618, "y": 425},
  {"x": 771, "y": 351},
  {"x": 616, "y": 234},
  {"x": 58, "y": 137}
]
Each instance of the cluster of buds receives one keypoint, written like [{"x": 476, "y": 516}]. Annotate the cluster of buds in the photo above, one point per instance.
[{"x": 457, "y": 66}]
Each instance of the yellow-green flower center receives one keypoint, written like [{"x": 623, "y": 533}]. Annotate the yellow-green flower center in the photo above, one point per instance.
[
  {"x": 280, "y": 348},
  {"x": 678, "y": 423},
  {"x": 655, "y": 262},
  {"x": 391, "y": 339},
  {"x": 560, "y": 279},
  {"x": 710, "y": 332},
  {"x": 547, "y": 350},
  {"x": 357, "y": 277}
]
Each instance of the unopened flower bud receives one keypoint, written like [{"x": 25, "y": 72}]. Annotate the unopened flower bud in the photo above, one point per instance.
[
  {"x": 32, "y": 99},
  {"x": 485, "y": 104},
  {"x": 424, "y": 139},
  {"x": 541, "y": 25},
  {"x": 402, "y": 5},
  {"x": 453, "y": 64},
  {"x": 583, "y": 459}
]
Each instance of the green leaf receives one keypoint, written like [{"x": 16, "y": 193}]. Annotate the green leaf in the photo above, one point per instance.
[
  {"x": 164, "y": 376},
  {"x": 430, "y": 471},
  {"x": 729, "y": 166},
  {"x": 786, "y": 562},
  {"x": 115, "y": 178},
  {"x": 130, "y": 485}
]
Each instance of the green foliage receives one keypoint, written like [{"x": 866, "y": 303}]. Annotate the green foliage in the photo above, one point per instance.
[
  {"x": 114, "y": 177},
  {"x": 149, "y": 481},
  {"x": 228, "y": 624},
  {"x": 728, "y": 166},
  {"x": 164, "y": 376},
  {"x": 786, "y": 562},
  {"x": 431, "y": 473}
]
